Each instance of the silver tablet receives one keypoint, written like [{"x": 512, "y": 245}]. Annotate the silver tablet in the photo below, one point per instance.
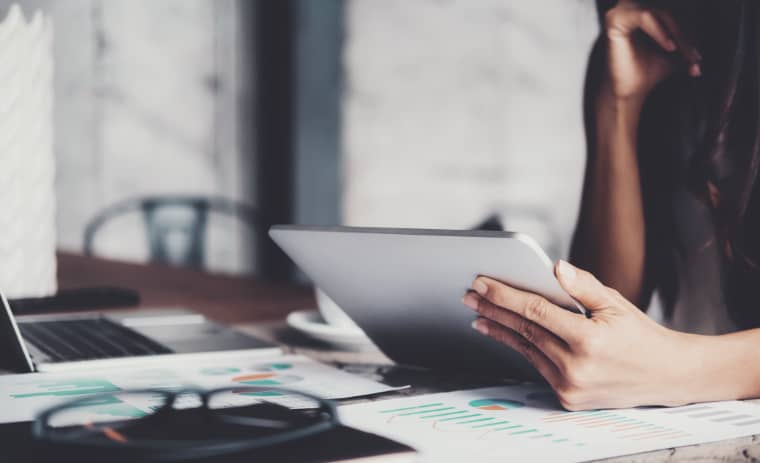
[{"x": 404, "y": 287}]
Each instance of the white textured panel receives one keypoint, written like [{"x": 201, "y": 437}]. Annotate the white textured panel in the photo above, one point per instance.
[
  {"x": 457, "y": 109},
  {"x": 156, "y": 61},
  {"x": 27, "y": 224}
]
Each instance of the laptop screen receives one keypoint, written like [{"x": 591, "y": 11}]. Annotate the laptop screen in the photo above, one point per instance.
[{"x": 13, "y": 353}]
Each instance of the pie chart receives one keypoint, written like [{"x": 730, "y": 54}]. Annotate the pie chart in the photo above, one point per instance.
[
  {"x": 495, "y": 404},
  {"x": 266, "y": 379},
  {"x": 272, "y": 379}
]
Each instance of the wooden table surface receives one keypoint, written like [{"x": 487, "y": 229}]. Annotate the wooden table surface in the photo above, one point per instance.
[
  {"x": 259, "y": 308},
  {"x": 225, "y": 298}
]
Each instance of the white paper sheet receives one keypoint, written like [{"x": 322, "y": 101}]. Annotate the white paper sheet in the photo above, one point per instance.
[
  {"x": 23, "y": 396},
  {"x": 526, "y": 423}
]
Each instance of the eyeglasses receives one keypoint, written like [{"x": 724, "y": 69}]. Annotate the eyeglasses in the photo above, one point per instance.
[{"x": 170, "y": 425}]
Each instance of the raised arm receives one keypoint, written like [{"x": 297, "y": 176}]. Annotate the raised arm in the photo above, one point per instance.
[
  {"x": 638, "y": 49},
  {"x": 610, "y": 235}
]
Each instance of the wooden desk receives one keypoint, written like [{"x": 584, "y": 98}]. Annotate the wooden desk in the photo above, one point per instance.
[
  {"x": 224, "y": 298},
  {"x": 249, "y": 302}
]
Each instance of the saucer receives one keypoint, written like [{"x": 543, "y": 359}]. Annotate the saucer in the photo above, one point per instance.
[{"x": 311, "y": 323}]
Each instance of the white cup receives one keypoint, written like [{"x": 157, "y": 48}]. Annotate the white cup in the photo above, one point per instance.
[{"x": 332, "y": 313}]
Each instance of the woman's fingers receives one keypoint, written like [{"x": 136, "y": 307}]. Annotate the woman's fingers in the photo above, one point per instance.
[
  {"x": 628, "y": 17},
  {"x": 655, "y": 29},
  {"x": 624, "y": 20},
  {"x": 684, "y": 46},
  {"x": 553, "y": 347},
  {"x": 511, "y": 339},
  {"x": 563, "y": 323}
]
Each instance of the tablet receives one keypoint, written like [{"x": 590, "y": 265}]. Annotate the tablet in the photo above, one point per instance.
[{"x": 404, "y": 287}]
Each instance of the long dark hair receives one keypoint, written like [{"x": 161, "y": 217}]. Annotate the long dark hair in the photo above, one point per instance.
[{"x": 713, "y": 123}]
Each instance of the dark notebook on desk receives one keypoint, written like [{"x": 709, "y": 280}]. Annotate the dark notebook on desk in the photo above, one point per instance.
[{"x": 341, "y": 444}]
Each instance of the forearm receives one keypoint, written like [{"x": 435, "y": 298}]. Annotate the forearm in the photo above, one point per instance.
[
  {"x": 721, "y": 367},
  {"x": 611, "y": 233}
]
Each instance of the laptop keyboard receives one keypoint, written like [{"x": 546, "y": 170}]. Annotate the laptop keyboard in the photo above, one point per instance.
[{"x": 87, "y": 339}]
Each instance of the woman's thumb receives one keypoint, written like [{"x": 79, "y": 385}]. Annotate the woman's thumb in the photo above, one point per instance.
[{"x": 582, "y": 286}]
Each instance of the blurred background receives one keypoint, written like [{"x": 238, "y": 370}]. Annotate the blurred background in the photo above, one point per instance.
[{"x": 183, "y": 128}]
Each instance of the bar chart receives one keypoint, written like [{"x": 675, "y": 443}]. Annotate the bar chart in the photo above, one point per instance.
[{"x": 484, "y": 418}]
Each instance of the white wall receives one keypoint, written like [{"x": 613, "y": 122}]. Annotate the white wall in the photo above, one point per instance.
[
  {"x": 452, "y": 110},
  {"x": 146, "y": 103},
  {"x": 457, "y": 109}
]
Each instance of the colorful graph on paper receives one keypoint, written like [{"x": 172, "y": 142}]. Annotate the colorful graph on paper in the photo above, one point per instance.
[
  {"x": 23, "y": 396},
  {"x": 515, "y": 421}
]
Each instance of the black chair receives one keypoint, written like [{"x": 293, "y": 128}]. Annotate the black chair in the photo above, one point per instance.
[{"x": 162, "y": 223}]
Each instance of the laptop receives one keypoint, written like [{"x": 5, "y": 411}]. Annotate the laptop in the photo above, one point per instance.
[{"x": 72, "y": 342}]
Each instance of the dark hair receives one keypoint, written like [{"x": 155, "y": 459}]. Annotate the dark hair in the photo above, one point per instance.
[{"x": 713, "y": 123}]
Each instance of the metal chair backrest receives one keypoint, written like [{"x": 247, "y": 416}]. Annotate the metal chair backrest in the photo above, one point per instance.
[{"x": 175, "y": 225}]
